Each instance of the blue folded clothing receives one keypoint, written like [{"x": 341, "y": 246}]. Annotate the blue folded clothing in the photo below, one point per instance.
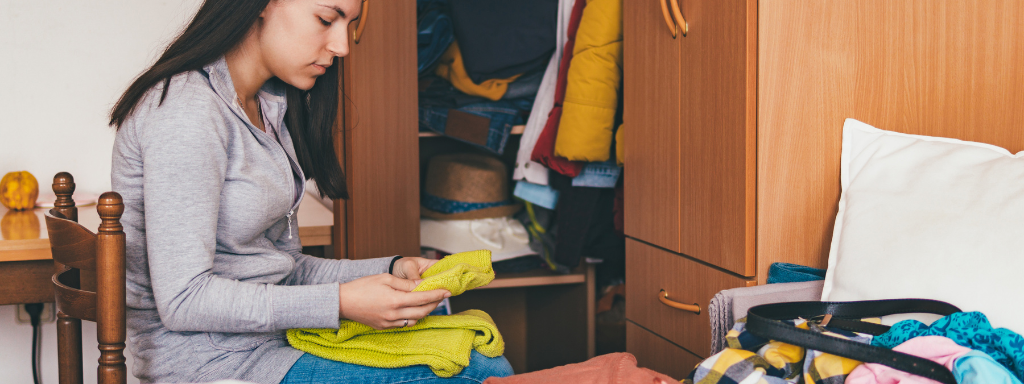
[
  {"x": 487, "y": 125},
  {"x": 434, "y": 33},
  {"x": 793, "y": 273}
]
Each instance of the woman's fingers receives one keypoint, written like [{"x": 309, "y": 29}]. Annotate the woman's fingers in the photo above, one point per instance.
[
  {"x": 410, "y": 314},
  {"x": 412, "y": 268},
  {"x": 400, "y": 323},
  {"x": 415, "y": 313},
  {"x": 416, "y": 299},
  {"x": 385, "y": 301},
  {"x": 410, "y": 298},
  {"x": 399, "y": 284}
]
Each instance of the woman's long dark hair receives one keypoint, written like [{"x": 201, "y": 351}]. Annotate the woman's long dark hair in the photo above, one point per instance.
[{"x": 219, "y": 26}]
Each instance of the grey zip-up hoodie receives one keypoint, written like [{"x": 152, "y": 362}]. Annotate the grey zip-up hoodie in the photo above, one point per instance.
[{"x": 215, "y": 270}]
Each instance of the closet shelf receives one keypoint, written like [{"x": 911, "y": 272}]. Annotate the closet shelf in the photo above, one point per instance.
[{"x": 537, "y": 277}]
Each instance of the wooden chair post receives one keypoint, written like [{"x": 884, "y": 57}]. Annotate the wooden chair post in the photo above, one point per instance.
[
  {"x": 69, "y": 329},
  {"x": 69, "y": 349},
  {"x": 110, "y": 290},
  {"x": 63, "y": 187}
]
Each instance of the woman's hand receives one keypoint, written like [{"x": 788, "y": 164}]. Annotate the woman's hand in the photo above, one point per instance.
[
  {"x": 386, "y": 301},
  {"x": 411, "y": 267}
]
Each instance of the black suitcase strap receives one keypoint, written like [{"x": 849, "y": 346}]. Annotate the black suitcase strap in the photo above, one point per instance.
[{"x": 765, "y": 321}]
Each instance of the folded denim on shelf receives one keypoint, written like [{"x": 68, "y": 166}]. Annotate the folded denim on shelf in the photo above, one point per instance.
[
  {"x": 487, "y": 125},
  {"x": 598, "y": 175},
  {"x": 434, "y": 32}
]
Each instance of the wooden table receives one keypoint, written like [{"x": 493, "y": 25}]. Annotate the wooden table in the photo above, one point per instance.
[{"x": 26, "y": 265}]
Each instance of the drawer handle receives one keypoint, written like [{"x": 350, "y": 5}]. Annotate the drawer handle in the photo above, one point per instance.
[
  {"x": 663, "y": 296},
  {"x": 678, "y": 15},
  {"x": 668, "y": 19},
  {"x": 362, "y": 23}
]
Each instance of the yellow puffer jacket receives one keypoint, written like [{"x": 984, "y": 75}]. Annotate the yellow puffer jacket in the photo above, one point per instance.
[{"x": 595, "y": 77}]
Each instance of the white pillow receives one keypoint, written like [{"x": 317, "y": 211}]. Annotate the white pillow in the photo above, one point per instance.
[{"x": 929, "y": 217}]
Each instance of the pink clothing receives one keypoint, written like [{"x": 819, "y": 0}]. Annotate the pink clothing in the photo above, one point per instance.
[{"x": 939, "y": 349}]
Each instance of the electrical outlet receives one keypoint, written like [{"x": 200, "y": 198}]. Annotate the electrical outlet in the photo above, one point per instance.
[{"x": 47, "y": 316}]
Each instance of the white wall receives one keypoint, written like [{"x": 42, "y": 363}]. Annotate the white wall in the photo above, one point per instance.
[
  {"x": 16, "y": 351},
  {"x": 63, "y": 64}
]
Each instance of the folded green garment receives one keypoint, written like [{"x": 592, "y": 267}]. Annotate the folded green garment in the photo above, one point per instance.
[{"x": 442, "y": 342}]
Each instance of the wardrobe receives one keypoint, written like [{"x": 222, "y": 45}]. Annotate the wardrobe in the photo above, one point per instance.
[
  {"x": 733, "y": 133},
  {"x": 546, "y": 320}
]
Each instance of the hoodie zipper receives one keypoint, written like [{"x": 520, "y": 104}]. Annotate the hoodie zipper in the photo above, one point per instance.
[
  {"x": 289, "y": 218},
  {"x": 293, "y": 167}
]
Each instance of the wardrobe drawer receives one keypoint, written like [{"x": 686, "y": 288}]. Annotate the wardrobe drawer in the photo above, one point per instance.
[
  {"x": 657, "y": 354},
  {"x": 650, "y": 270}
]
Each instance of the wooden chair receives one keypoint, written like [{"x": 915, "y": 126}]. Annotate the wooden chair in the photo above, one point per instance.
[{"x": 89, "y": 284}]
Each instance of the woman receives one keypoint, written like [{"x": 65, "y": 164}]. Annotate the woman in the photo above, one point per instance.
[{"x": 213, "y": 146}]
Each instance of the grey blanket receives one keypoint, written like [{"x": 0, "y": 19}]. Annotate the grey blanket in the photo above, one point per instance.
[{"x": 732, "y": 304}]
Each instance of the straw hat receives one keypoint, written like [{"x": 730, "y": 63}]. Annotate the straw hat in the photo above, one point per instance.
[{"x": 466, "y": 186}]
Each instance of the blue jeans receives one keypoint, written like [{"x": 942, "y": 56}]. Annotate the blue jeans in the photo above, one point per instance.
[
  {"x": 598, "y": 175},
  {"x": 501, "y": 115},
  {"x": 310, "y": 369},
  {"x": 434, "y": 32}
]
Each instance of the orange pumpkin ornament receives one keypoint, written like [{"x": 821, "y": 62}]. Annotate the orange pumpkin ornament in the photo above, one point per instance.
[
  {"x": 19, "y": 190},
  {"x": 19, "y": 225}
]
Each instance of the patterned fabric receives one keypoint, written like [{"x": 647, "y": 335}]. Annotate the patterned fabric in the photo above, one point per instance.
[
  {"x": 733, "y": 366},
  {"x": 440, "y": 204},
  {"x": 969, "y": 329},
  {"x": 751, "y": 359}
]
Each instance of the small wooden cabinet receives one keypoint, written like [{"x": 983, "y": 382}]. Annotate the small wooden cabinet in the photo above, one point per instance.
[
  {"x": 734, "y": 131},
  {"x": 649, "y": 270}
]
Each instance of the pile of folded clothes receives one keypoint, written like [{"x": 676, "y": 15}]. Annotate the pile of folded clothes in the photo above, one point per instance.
[{"x": 480, "y": 66}]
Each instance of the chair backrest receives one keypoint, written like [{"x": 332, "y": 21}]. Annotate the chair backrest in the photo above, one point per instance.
[{"x": 90, "y": 285}]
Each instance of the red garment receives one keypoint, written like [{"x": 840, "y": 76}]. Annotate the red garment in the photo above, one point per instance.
[
  {"x": 544, "y": 150},
  {"x": 613, "y": 368}
]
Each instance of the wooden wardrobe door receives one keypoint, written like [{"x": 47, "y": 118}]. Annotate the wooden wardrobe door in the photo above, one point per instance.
[
  {"x": 717, "y": 143},
  {"x": 380, "y": 143},
  {"x": 651, "y": 120},
  {"x": 936, "y": 68}
]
